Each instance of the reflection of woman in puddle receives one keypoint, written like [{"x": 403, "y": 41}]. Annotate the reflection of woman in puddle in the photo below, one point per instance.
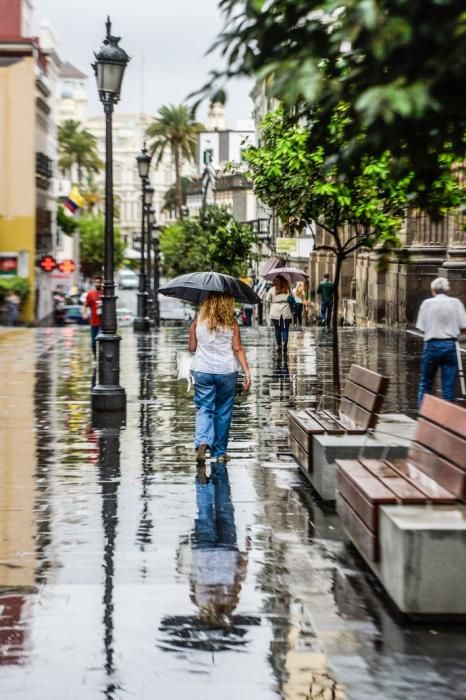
[{"x": 218, "y": 567}]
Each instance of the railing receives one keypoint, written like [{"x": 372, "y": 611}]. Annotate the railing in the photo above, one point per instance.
[{"x": 43, "y": 165}]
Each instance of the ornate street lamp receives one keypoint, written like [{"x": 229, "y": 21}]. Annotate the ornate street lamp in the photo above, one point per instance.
[
  {"x": 109, "y": 68},
  {"x": 142, "y": 322},
  {"x": 150, "y": 223}
]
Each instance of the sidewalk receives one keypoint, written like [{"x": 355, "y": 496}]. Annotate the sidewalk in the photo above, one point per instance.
[{"x": 106, "y": 583}]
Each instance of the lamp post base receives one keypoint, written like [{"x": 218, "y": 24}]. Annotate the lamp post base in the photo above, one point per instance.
[
  {"x": 141, "y": 324},
  {"x": 107, "y": 394}
]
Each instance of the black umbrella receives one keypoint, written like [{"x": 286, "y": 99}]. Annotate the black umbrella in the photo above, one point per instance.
[{"x": 196, "y": 286}]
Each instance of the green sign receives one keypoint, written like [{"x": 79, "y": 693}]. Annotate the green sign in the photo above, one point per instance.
[{"x": 286, "y": 245}]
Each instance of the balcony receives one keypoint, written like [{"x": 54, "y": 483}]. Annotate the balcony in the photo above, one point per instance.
[{"x": 43, "y": 165}]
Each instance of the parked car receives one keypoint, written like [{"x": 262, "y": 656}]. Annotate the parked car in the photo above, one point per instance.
[
  {"x": 127, "y": 279},
  {"x": 125, "y": 317},
  {"x": 73, "y": 314},
  {"x": 175, "y": 310}
]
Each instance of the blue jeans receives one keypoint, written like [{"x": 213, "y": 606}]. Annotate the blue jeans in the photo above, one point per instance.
[
  {"x": 215, "y": 522},
  {"x": 214, "y": 396},
  {"x": 282, "y": 329},
  {"x": 326, "y": 312},
  {"x": 438, "y": 353},
  {"x": 95, "y": 330}
]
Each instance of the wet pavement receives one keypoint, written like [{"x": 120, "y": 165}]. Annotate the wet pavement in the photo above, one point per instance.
[{"x": 122, "y": 576}]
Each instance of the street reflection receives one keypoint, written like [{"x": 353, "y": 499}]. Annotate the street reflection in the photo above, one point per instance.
[{"x": 217, "y": 570}]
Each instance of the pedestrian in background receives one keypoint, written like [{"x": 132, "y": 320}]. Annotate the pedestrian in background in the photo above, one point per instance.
[
  {"x": 215, "y": 338},
  {"x": 93, "y": 302},
  {"x": 441, "y": 319},
  {"x": 13, "y": 305},
  {"x": 325, "y": 291},
  {"x": 299, "y": 294},
  {"x": 248, "y": 310},
  {"x": 280, "y": 311}
]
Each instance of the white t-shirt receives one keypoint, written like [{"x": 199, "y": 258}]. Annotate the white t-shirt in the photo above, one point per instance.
[
  {"x": 214, "y": 351},
  {"x": 441, "y": 317}
]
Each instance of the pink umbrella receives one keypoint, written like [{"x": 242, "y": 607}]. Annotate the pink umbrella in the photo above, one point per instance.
[{"x": 291, "y": 274}]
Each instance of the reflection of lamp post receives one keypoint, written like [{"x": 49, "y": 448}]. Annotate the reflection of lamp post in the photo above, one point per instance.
[
  {"x": 109, "y": 68},
  {"x": 150, "y": 221},
  {"x": 156, "y": 228},
  {"x": 141, "y": 322}
]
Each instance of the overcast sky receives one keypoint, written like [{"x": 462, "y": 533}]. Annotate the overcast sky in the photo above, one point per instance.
[{"x": 171, "y": 35}]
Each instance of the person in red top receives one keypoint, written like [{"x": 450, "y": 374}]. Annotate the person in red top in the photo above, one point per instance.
[{"x": 94, "y": 302}]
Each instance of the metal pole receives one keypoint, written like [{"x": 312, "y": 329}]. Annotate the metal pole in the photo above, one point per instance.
[
  {"x": 156, "y": 279},
  {"x": 107, "y": 394},
  {"x": 149, "y": 263},
  {"x": 141, "y": 322}
]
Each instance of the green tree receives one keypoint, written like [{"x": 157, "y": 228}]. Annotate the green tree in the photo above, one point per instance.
[
  {"x": 77, "y": 146},
  {"x": 169, "y": 198},
  {"x": 212, "y": 241},
  {"x": 175, "y": 130},
  {"x": 19, "y": 285},
  {"x": 91, "y": 245},
  {"x": 66, "y": 223},
  {"x": 400, "y": 67}
]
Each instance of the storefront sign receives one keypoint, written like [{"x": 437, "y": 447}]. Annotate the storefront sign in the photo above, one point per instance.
[{"x": 8, "y": 264}]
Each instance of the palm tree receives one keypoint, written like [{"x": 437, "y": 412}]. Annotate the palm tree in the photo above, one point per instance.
[
  {"x": 77, "y": 146},
  {"x": 176, "y": 130},
  {"x": 170, "y": 198}
]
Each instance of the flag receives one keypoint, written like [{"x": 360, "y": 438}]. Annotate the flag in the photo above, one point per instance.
[{"x": 74, "y": 201}]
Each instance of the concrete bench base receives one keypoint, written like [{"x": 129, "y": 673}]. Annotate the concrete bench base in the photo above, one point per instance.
[
  {"x": 328, "y": 448},
  {"x": 423, "y": 558}
]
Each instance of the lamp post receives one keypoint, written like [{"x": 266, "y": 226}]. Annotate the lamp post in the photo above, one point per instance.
[
  {"x": 156, "y": 228},
  {"x": 109, "y": 68},
  {"x": 148, "y": 209},
  {"x": 141, "y": 322}
]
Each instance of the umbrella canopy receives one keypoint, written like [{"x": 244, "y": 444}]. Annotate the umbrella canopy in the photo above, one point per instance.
[
  {"x": 196, "y": 286},
  {"x": 291, "y": 274}
]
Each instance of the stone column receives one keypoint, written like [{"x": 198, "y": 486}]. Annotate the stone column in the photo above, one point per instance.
[{"x": 454, "y": 267}]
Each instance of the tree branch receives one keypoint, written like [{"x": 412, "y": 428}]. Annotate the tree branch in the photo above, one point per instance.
[{"x": 326, "y": 247}]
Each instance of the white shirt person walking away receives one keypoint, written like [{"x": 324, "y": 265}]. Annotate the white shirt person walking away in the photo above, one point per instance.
[
  {"x": 215, "y": 338},
  {"x": 441, "y": 319}
]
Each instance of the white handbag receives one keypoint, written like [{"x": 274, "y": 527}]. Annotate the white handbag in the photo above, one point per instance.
[{"x": 184, "y": 364}]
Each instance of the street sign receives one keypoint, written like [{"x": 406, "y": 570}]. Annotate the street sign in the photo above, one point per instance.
[
  {"x": 47, "y": 263},
  {"x": 67, "y": 266}
]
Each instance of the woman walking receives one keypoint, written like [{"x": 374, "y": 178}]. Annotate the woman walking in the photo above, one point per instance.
[
  {"x": 280, "y": 311},
  {"x": 215, "y": 338},
  {"x": 299, "y": 295}
]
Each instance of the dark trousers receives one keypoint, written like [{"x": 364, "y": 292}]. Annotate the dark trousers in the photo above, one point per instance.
[
  {"x": 326, "y": 312},
  {"x": 298, "y": 314},
  {"x": 248, "y": 315},
  {"x": 438, "y": 354},
  {"x": 95, "y": 330},
  {"x": 282, "y": 328}
]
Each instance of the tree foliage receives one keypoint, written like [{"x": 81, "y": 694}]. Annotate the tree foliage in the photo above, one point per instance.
[
  {"x": 67, "y": 224},
  {"x": 169, "y": 198},
  {"x": 212, "y": 241},
  {"x": 174, "y": 130},
  {"x": 19, "y": 285},
  {"x": 91, "y": 245},
  {"x": 399, "y": 66},
  {"x": 77, "y": 146}
]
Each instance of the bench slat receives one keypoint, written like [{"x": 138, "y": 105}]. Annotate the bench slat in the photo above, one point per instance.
[
  {"x": 452, "y": 478},
  {"x": 368, "y": 379},
  {"x": 433, "y": 491},
  {"x": 445, "y": 414},
  {"x": 301, "y": 456},
  {"x": 402, "y": 489},
  {"x": 331, "y": 427},
  {"x": 439, "y": 440},
  {"x": 363, "y": 493},
  {"x": 362, "y": 396},
  {"x": 359, "y": 533},
  {"x": 354, "y": 417}
]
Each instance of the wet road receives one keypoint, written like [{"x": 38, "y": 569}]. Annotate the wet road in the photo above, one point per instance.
[{"x": 121, "y": 576}]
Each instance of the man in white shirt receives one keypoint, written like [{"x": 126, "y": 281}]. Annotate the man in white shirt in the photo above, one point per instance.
[{"x": 441, "y": 319}]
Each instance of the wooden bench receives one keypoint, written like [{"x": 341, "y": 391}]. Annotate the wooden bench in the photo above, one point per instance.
[
  {"x": 359, "y": 406},
  {"x": 433, "y": 474}
]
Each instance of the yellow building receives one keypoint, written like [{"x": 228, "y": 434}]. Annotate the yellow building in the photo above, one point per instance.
[{"x": 18, "y": 160}]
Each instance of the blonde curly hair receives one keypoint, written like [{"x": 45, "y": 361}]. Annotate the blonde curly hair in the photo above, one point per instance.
[{"x": 218, "y": 311}]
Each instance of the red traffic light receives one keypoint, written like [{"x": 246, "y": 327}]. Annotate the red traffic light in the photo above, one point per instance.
[
  {"x": 48, "y": 263},
  {"x": 67, "y": 266}
]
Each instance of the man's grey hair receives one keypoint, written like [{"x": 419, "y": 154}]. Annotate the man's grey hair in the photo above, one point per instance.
[{"x": 440, "y": 285}]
